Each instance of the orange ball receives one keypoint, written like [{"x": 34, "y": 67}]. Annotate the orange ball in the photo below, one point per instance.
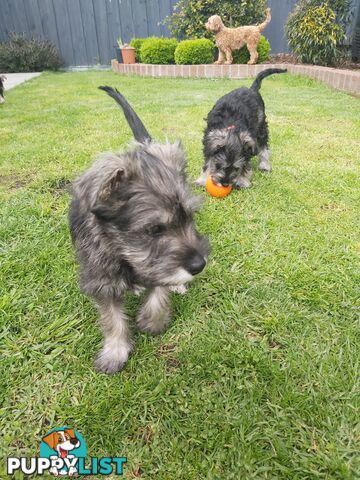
[{"x": 215, "y": 190}]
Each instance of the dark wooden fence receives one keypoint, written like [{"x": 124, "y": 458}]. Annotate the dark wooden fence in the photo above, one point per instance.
[
  {"x": 275, "y": 31},
  {"x": 85, "y": 31}
]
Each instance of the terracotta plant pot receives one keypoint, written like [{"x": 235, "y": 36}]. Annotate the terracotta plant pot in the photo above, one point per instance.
[{"x": 128, "y": 54}]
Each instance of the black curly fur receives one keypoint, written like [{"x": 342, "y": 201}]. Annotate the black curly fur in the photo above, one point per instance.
[{"x": 236, "y": 130}]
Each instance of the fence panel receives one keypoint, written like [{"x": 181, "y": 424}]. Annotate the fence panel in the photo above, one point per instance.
[
  {"x": 275, "y": 31},
  {"x": 85, "y": 31}
]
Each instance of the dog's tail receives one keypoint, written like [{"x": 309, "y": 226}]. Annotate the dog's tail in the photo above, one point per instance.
[
  {"x": 267, "y": 20},
  {"x": 139, "y": 131},
  {"x": 265, "y": 73}
]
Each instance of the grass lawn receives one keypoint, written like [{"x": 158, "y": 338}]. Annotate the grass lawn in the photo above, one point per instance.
[{"x": 258, "y": 375}]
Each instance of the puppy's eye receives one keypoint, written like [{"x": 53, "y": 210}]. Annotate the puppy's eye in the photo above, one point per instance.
[
  {"x": 60, "y": 440},
  {"x": 157, "y": 230}
]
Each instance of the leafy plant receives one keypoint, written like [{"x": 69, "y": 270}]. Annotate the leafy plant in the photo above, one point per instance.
[
  {"x": 192, "y": 52},
  {"x": 342, "y": 8},
  {"x": 158, "y": 50},
  {"x": 313, "y": 33},
  {"x": 263, "y": 49},
  {"x": 21, "y": 54},
  {"x": 190, "y": 16},
  {"x": 137, "y": 43}
]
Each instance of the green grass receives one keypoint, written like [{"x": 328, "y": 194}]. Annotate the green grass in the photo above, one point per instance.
[{"x": 258, "y": 375}]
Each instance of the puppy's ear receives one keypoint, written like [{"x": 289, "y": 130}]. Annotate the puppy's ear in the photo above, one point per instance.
[
  {"x": 216, "y": 23},
  {"x": 102, "y": 208},
  {"x": 70, "y": 432},
  {"x": 247, "y": 142},
  {"x": 51, "y": 439},
  {"x": 111, "y": 184}
]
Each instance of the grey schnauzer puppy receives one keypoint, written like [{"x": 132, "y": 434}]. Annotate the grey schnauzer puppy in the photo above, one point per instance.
[
  {"x": 132, "y": 225},
  {"x": 236, "y": 131}
]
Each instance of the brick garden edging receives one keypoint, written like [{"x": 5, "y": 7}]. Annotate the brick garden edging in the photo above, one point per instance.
[{"x": 345, "y": 80}]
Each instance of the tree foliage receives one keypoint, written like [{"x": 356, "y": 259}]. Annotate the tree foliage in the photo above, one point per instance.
[{"x": 190, "y": 16}]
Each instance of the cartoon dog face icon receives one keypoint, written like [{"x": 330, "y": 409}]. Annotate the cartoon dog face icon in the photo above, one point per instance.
[{"x": 62, "y": 441}]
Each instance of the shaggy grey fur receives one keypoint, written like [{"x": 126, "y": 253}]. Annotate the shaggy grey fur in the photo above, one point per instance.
[{"x": 131, "y": 220}]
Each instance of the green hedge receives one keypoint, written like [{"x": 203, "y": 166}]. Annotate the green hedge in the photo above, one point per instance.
[
  {"x": 154, "y": 50},
  {"x": 158, "y": 50},
  {"x": 263, "y": 49},
  {"x": 137, "y": 44},
  {"x": 192, "y": 52}
]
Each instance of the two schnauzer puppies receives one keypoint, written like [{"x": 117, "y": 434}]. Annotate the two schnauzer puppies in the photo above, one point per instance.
[{"x": 132, "y": 215}]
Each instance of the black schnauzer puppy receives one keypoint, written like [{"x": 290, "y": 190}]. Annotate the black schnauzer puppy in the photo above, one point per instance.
[
  {"x": 2, "y": 78},
  {"x": 132, "y": 225},
  {"x": 237, "y": 130}
]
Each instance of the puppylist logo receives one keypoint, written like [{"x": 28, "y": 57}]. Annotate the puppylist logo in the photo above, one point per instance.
[{"x": 63, "y": 452}]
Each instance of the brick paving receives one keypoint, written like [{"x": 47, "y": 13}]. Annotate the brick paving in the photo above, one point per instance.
[{"x": 344, "y": 80}]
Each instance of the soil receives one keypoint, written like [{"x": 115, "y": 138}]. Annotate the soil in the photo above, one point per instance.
[
  {"x": 13, "y": 182},
  {"x": 290, "y": 58}
]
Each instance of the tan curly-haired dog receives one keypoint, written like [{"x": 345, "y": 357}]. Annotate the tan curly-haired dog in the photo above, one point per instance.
[{"x": 229, "y": 39}]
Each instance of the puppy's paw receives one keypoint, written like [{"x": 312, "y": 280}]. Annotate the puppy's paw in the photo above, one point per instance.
[
  {"x": 265, "y": 167},
  {"x": 180, "y": 289},
  {"x": 201, "y": 180},
  {"x": 138, "y": 290},
  {"x": 242, "y": 182},
  {"x": 111, "y": 360},
  {"x": 153, "y": 325},
  {"x": 108, "y": 365},
  {"x": 152, "y": 328}
]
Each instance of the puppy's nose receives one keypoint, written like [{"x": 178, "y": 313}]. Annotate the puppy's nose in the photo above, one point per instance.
[
  {"x": 195, "y": 264},
  {"x": 74, "y": 441}
]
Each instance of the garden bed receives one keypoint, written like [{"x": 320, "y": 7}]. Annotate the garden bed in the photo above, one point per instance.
[{"x": 345, "y": 80}]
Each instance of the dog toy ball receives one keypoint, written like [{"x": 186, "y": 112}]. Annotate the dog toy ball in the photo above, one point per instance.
[{"x": 215, "y": 190}]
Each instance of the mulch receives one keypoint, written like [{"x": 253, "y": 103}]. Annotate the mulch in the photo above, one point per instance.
[{"x": 290, "y": 58}]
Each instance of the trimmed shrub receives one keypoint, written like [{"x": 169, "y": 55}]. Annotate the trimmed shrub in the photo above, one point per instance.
[
  {"x": 158, "y": 50},
  {"x": 263, "y": 49},
  {"x": 313, "y": 34},
  {"x": 190, "y": 15},
  {"x": 21, "y": 54},
  {"x": 192, "y": 52},
  {"x": 137, "y": 43}
]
